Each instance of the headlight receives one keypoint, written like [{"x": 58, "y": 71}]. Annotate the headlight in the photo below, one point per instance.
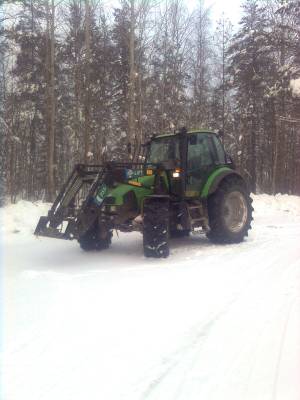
[{"x": 176, "y": 173}]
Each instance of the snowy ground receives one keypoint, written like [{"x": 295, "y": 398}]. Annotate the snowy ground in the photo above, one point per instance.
[{"x": 210, "y": 322}]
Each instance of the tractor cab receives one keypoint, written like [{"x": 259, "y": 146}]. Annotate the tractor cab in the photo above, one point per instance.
[{"x": 191, "y": 156}]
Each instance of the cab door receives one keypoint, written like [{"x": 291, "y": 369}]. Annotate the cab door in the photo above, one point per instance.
[{"x": 201, "y": 162}]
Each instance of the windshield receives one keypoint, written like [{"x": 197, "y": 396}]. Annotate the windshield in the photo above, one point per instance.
[{"x": 164, "y": 149}]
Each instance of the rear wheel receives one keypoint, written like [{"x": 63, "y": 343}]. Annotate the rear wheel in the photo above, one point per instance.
[
  {"x": 95, "y": 239},
  {"x": 230, "y": 212},
  {"x": 156, "y": 228}
]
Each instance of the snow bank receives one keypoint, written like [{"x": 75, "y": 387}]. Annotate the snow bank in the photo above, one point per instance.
[
  {"x": 281, "y": 203},
  {"x": 23, "y": 216}
]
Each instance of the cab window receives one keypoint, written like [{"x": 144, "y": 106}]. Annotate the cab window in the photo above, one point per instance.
[
  {"x": 221, "y": 158},
  {"x": 200, "y": 151}
]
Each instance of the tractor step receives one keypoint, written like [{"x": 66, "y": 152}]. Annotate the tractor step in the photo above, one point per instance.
[{"x": 195, "y": 213}]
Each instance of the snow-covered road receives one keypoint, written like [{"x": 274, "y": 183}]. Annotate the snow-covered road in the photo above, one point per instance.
[{"x": 210, "y": 322}]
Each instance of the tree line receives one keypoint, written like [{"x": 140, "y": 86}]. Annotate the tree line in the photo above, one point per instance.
[{"x": 82, "y": 82}]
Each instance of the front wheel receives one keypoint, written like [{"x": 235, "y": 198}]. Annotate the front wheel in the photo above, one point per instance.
[
  {"x": 95, "y": 238},
  {"x": 230, "y": 212},
  {"x": 156, "y": 228}
]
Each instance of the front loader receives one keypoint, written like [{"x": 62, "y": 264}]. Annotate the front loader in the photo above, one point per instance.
[{"x": 187, "y": 182}]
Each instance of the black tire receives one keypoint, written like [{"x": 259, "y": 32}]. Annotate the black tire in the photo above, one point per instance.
[
  {"x": 93, "y": 239},
  {"x": 230, "y": 212},
  {"x": 156, "y": 228}
]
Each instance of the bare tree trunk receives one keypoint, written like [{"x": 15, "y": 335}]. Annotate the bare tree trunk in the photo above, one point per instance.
[
  {"x": 87, "y": 105},
  {"x": 51, "y": 133},
  {"x": 281, "y": 139},
  {"x": 223, "y": 77},
  {"x": 78, "y": 95},
  {"x": 11, "y": 186},
  {"x": 253, "y": 156},
  {"x": 275, "y": 160},
  {"x": 131, "y": 119}
]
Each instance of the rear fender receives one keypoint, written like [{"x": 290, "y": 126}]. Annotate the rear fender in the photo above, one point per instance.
[{"x": 215, "y": 179}]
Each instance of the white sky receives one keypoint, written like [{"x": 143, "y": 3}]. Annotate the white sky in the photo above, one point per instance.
[{"x": 231, "y": 9}]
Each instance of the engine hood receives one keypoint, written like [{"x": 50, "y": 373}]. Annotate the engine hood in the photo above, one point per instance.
[{"x": 116, "y": 194}]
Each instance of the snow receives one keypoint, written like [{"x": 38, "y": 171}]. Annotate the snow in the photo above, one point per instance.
[{"x": 210, "y": 322}]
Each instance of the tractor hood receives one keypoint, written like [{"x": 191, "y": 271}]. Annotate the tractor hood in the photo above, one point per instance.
[{"x": 116, "y": 193}]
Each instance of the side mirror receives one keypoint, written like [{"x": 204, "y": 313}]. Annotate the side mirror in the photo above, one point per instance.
[{"x": 229, "y": 160}]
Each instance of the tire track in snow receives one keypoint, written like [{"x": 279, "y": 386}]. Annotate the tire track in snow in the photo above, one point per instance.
[
  {"x": 272, "y": 290},
  {"x": 233, "y": 304},
  {"x": 281, "y": 346},
  {"x": 173, "y": 360},
  {"x": 292, "y": 305},
  {"x": 188, "y": 354}
]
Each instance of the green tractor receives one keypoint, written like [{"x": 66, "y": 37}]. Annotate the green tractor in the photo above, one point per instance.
[{"x": 186, "y": 182}]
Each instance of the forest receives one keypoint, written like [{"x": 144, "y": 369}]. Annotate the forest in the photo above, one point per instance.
[{"x": 83, "y": 80}]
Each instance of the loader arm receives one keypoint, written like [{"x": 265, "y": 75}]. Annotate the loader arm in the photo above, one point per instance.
[{"x": 66, "y": 206}]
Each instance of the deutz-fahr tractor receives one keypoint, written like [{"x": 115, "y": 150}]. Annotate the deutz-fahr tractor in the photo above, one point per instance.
[{"x": 183, "y": 182}]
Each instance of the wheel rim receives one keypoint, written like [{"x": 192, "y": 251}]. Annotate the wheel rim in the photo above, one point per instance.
[{"x": 235, "y": 211}]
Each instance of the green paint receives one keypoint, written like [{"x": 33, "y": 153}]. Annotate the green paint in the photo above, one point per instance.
[
  {"x": 140, "y": 191},
  {"x": 211, "y": 178},
  {"x": 146, "y": 180}
]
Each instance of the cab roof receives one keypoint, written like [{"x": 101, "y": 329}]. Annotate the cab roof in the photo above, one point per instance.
[{"x": 168, "y": 134}]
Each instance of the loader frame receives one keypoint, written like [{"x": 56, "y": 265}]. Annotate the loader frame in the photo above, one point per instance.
[{"x": 70, "y": 216}]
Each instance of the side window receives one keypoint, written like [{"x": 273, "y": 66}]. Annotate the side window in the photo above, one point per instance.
[
  {"x": 200, "y": 152},
  {"x": 221, "y": 158}
]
